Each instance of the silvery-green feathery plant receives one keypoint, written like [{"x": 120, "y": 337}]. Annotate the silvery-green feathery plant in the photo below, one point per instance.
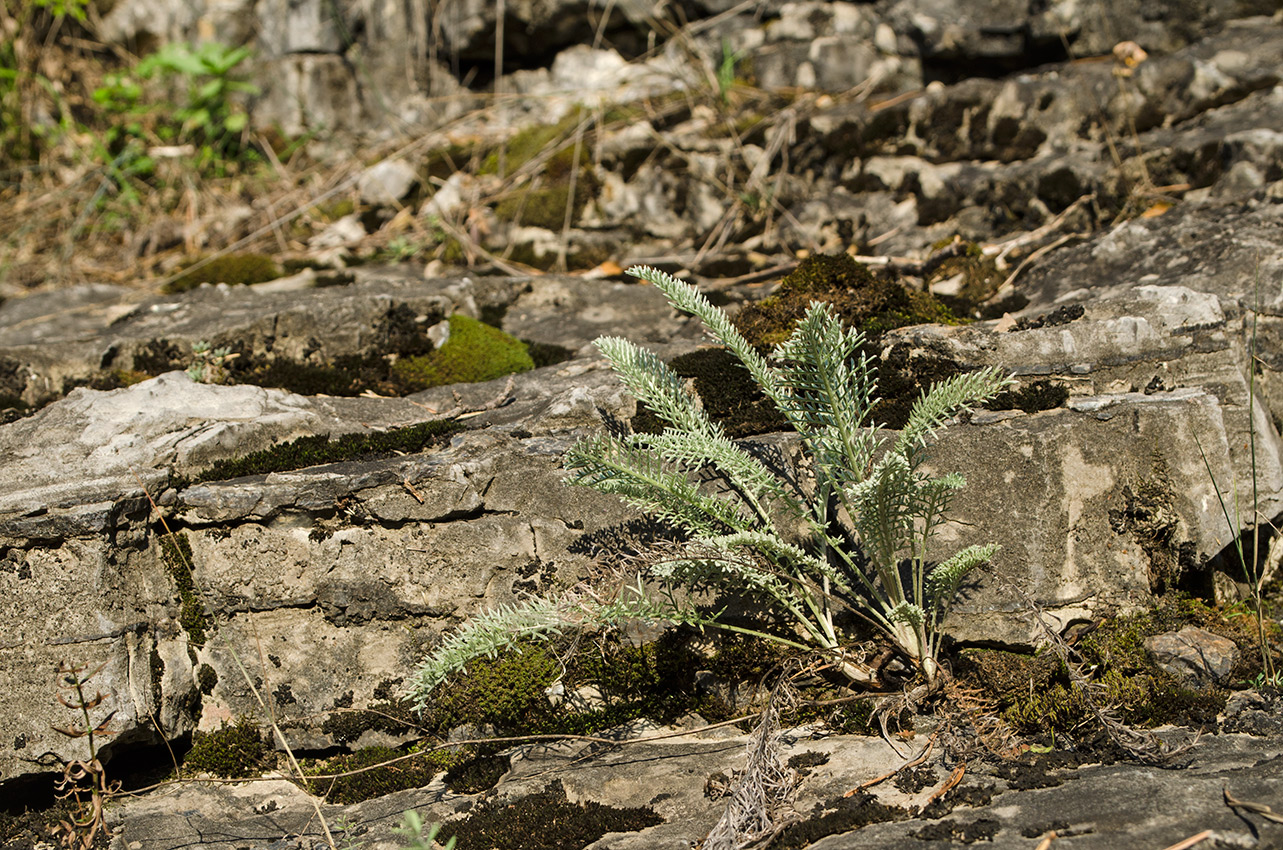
[{"x": 866, "y": 515}]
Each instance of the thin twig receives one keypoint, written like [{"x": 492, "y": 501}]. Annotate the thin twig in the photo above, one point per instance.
[
  {"x": 1187, "y": 843},
  {"x": 1255, "y": 808},
  {"x": 914, "y": 762}
]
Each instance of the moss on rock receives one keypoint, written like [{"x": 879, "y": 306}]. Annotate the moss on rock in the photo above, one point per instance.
[
  {"x": 233, "y": 751},
  {"x": 543, "y": 202},
  {"x": 543, "y": 821},
  {"x": 391, "y": 772},
  {"x": 388, "y": 714},
  {"x": 726, "y": 390},
  {"x": 233, "y": 269},
  {"x": 474, "y": 352},
  {"x": 206, "y": 678},
  {"x": 321, "y": 449},
  {"x": 980, "y": 279},
  {"x": 1031, "y": 398},
  {"x": 1034, "y": 694},
  {"x": 656, "y": 680},
  {"x": 176, "y": 553},
  {"x": 862, "y": 299}
]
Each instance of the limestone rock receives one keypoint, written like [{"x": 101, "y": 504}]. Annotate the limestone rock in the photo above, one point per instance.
[
  {"x": 1194, "y": 654},
  {"x": 386, "y": 182},
  {"x": 1130, "y": 329},
  {"x": 1105, "y": 806}
]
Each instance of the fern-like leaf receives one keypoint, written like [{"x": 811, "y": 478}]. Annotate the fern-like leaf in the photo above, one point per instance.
[
  {"x": 829, "y": 392},
  {"x": 630, "y": 470},
  {"x": 908, "y": 614},
  {"x": 945, "y": 400},
  {"x": 748, "y": 475},
  {"x": 942, "y": 582},
  {"x": 690, "y": 300},
  {"x": 541, "y": 618},
  {"x": 651, "y": 381},
  {"x": 884, "y": 507}
]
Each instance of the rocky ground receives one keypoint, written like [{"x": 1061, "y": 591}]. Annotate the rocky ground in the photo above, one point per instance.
[{"x": 1109, "y": 230}]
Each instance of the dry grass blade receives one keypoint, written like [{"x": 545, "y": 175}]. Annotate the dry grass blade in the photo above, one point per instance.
[
  {"x": 994, "y": 733},
  {"x": 761, "y": 797},
  {"x": 1187, "y": 843},
  {"x": 949, "y": 784},
  {"x": 1255, "y": 808}
]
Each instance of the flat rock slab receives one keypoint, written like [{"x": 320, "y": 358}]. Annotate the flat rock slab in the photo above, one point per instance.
[
  {"x": 1010, "y": 805},
  {"x": 54, "y": 343},
  {"x": 1225, "y": 249}
]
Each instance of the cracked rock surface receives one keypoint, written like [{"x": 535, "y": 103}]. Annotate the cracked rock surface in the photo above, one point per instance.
[{"x": 1130, "y": 331}]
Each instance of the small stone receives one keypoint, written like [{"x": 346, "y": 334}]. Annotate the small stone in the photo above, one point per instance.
[
  {"x": 587, "y": 698},
  {"x": 1194, "y": 654},
  {"x": 387, "y": 182},
  {"x": 346, "y": 231}
]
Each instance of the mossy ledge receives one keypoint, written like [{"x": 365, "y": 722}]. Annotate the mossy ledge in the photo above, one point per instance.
[
  {"x": 234, "y": 752},
  {"x": 379, "y": 770},
  {"x": 543, "y": 821},
  {"x": 862, "y": 299},
  {"x": 176, "y": 553},
  {"x": 321, "y": 449},
  {"x": 384, "y": 770},
  {"x": 474, "y": 352},
  {"x": 236, "y": 269},
  {"x": 1034, "y": 696}
]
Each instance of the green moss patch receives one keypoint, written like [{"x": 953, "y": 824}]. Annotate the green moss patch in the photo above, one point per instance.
[
  {"x": 383, "y": 770},
  {"x": 863, "y": 300},
  {"x": 233, "y": 269},
  {"x": 321, "y": 449},
  {"x": 474, "y": 352},
  {"x": 399, "y": 359},
  {"x": 578, "y": 255},
  {"x": 547, "y": 353},
  {"x": 206, "y": 678},
  {"x": 234, "y": 751},
  {"x": 537, "y": 140},
  {"x": 335, "y": 209},
  {"x": 477, "y": 772},
  {"x": 176, "y": 554},
  {"x": 347, "y": 376},
  {"x": 543, "y": 821},
  {"x": 656, "y": 680},
  {"x": 543, "y": 201},
  {"x": 980, "y": 275},
  {"x": 836, "y": 816},
  {"x": 387, "y": 713},
  {"x": 545, "y": 205},
  {"x": 1034, "y": 694},
  {"x": 1031, "y": 398}
]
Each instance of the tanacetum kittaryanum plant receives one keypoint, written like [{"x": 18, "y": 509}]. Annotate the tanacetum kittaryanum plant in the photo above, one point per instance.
[{"x": 854, "y": 536}]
